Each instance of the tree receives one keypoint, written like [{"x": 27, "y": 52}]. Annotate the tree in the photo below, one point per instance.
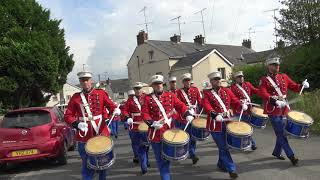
[
  {"x": 34, "y": 58},
  {"x": 300, "y": 21}
]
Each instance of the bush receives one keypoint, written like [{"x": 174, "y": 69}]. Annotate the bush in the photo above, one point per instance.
[{"x": 309, "y": 104}]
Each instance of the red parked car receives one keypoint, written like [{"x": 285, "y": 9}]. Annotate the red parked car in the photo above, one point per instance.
[{"x": 35, "y": 133}]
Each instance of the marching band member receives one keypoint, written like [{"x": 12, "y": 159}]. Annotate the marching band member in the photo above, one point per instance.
[
  {"x": 244, "y": 90},
  {"x": 191, "y": 97},
  {"x": 86, "y": 112},
  {"x": 273, "y": 89},
  {"x": 173, "y": 89},
  {"x": 217, "y": 102},
  {"x": 132, "y": 113},
  {"x": 114, "y": 124},
  {"x": 156, "y": 107}
]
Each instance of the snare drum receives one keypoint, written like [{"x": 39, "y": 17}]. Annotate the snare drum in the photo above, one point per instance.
[
  {"x": 298, "y": 124},
  {"x": 198, "y": 129},
  {"x": 100, "y": 152},
  {"x": 239, "y": 135},
  {"x": 258, "y": 119},
  {"x": 143, "y": 129},
  {"x": 175, "y": 144}
]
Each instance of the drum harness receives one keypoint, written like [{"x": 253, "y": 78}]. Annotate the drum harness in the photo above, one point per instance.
[
  {"x": 276, "y": 87},
  {"x": 225, "y": 111},
  {"x": 136, "y": 101},
  {"x": 190, "y": 106},
  {"x": 90, "y": 117},
  {"x": 163, "y": 112}
]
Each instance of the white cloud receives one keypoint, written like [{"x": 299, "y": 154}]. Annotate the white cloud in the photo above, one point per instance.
[{"x": 110, "y": 34}]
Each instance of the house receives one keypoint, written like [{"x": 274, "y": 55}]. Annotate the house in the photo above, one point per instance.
[
  {"x": 64, "y": 96},
  {"x": 173, "y": 58}
]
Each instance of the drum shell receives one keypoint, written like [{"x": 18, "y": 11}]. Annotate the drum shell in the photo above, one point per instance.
[
  {"x": 295, "y": 129},
  {"x": 199, "y": 134},
  {"x": 175, "y": 151},
  {"x": 101, "y": 161},
  {"x": 239, "y": 142},
  {"x": 258, "y": 121}
]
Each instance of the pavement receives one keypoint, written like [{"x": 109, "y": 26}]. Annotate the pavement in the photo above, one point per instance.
[{"x": 250, "y": 165}]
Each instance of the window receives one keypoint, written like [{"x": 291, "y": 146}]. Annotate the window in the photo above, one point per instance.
[
  {"x": 59, "y": 114},
  {"x": 121, "y": 95},
  {"x": 26, "y": 119},
  {"x": 150, "y": 55},
  {"x": 223, "y": 72},
  {"x": 158, "y": 73}
]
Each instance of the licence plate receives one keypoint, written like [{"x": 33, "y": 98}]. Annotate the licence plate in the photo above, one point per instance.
[{"x": 24, "y": 152}]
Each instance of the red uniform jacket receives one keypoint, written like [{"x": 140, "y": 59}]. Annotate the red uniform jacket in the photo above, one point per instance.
[
  {"x": 98, "y": 101},
  {"x": 130, "y": 109},
  {"x": 151, "y": 112},
  {"x": 249, "y": 88},
  {"x": 267, "y": 90},
  {"x": 175, "y": 116},
  {"x": 193, "y": 94},
  {"x": 210, "y": 103}
]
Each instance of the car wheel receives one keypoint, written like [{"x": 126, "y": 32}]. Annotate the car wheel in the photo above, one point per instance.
[{"x": 62, "y": 159}]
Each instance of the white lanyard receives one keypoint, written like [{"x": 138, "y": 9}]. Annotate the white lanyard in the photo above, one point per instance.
[
  {"x": 244, "y": 92},
  {"x": 186, "y": 97},
  {"x": 86, "y": 106},
  {"x": 136, "y": 101},
  {"x": 163, "y": 112},
  {"x": 220, "y": 101}
]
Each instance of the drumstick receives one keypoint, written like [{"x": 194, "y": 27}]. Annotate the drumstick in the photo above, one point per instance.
[
  {"x": 113, "y": 116},
  {"x": 302, "y": 86},
  {"x": 161, "y": 120},
  {"x": 254, "y": 104},
  {"x": 245, "y": 101}
]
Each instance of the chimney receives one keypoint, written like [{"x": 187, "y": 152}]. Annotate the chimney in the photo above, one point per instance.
[
  {"x": 199, "y": 39},
  {"x": 142, "y": 37},
  {"x": 175, "y": 38},
  {"x": 247, "y": 43}
]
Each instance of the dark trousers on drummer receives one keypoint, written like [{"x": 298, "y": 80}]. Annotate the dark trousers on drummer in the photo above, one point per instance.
[
  {"x": 163, "y": 165},
  {"x": 87, "y": 174},
  {"x": 246, "y": 118},
  {"x": 138, "y": 142},
  {"x": 225, "y": 161},
  {"x": 192, "y": 143},
  {"x": 282, "y": 140},
  {"x": 114, "y": 128}
]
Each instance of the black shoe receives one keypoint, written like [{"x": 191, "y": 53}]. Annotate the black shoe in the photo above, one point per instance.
[
  {"x": 233, "y": 175},
  {"x": 116, "y": 136},
  {"x": 279, "y": 157},
  {"x": 135, "y": 160},
  {"x": 294, "y": 160},
  {"x": 253, "y": 148},
  {"x": 195, "y": 159},
  {"x": 222, "y": 169},
  {"x": 144, "y": 171}
]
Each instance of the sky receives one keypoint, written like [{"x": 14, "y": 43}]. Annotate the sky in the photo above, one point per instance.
[{"x": 102, "y": 33}]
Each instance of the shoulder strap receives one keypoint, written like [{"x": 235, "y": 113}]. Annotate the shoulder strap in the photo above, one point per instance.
[
  {"x": 275, "y": 86},
  {"x": 244, "y": 92},
  {"x": 136, "y": 101},
  {"x": 164, "y": 114},
  {"x": 185, "y": 97},
  {"x": 219, "y": 100}
]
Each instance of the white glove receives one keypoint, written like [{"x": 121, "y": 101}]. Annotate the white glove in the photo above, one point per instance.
[
  {"x": 189, "y": 118},
  {"x": 244, "y": 107},
  {"x": 130, "y": 121},
  {"x": 191, "y": 111},
  {"x": 281, "y": 104},
  {"x": 157, "y": 125},
  {"x": 117, "y": 112},
  {"x": 305, "y": 84},
  {"x": 219, "y": 118},
  {"x": 83, "y": 126}
]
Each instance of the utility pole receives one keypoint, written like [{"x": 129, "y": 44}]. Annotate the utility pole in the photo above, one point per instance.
[
  {"x": 83, "y": 66},
  {"x": 179, "y": 23},
  {"x": 202, "y": 21},
  {"x": 145, "y": 18},
  {"x": 275, "y": 23}
]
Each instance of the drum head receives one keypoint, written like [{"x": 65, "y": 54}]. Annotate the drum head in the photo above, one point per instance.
[
  {"x": 200, "y": 123},
  {"x": 99, "y": 145},
  {"x": 258, "y": 112},
  {"x": 175, "y": 136},
  {"x": 300, "y": 117},
  {"x": 239, "y": 128},
  {"x": 143, "y": 127}
]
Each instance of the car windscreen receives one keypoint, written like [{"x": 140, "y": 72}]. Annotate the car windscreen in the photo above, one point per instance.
[{"x": 25, "y": 119}]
